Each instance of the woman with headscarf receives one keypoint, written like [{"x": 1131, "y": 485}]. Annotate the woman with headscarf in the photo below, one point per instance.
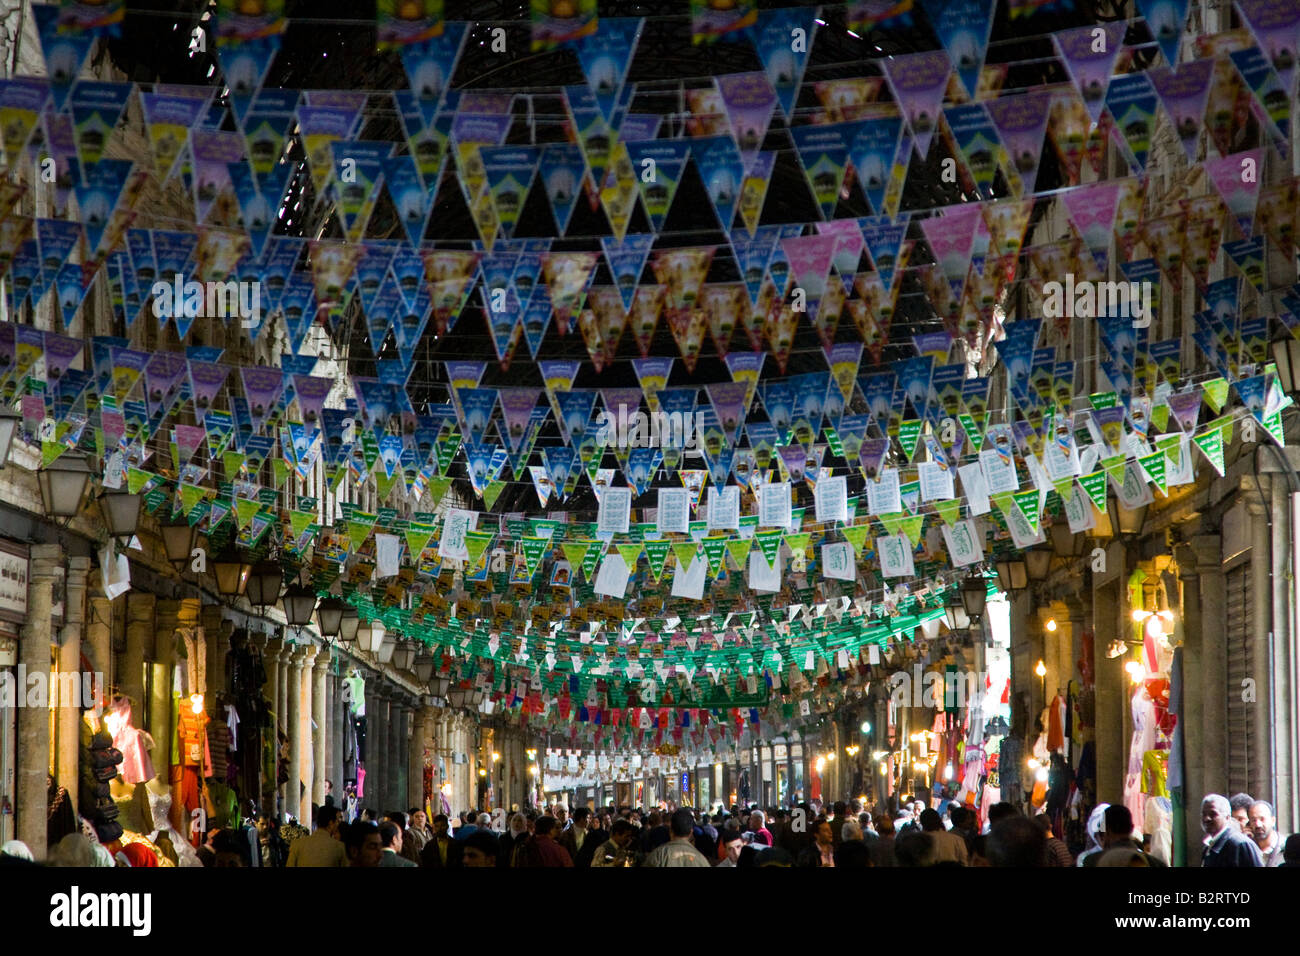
[
  {"x": 16, "y": 853},
  {"x": 1096, "y": 826}
]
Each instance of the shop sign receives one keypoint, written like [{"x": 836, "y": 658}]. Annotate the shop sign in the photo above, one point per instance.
[{"x": 15, "y": 565}]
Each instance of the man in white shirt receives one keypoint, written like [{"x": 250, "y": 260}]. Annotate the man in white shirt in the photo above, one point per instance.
[
  {"x": 1263, "y": 829},
  {"x": 735, "y": 842}
]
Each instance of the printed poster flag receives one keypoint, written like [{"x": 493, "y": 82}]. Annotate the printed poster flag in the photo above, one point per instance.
[
  {"x": 784, "y": 60},
  {"x": 1090, "y": 60},
  {"x": 918, "y": 81},
  {"x": 963, "y": 28}
]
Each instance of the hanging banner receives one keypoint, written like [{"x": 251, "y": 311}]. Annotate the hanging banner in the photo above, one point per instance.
[
  {"x": 963, "y": 28},
  {"x": 1089, "y": 56},
  {"x": 783, "y": 39},
  {"x": 722, "y": 171},
  {"x": 1183, "y": 95},
  {"x": 823, "y": 152}
]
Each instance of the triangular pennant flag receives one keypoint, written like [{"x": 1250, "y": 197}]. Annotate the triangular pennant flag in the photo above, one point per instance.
[
  {"x": 534, "y": 550},
  {"x": 770, "y": 544},
  {"x": 913, "y": 527},
  {"x": 476, "y": 542},
  {"x": 245, "y": 509},
  {"x": 1211, "y": 445},
  {"x": 630, "y": 553},
  {"x": 1154, "y": 466},
  {"x": 657, "y": 553},
  {"x": 715, "y": 547},
  {"x": 739, "y": 549},
  {"x": 949, "y": 511},
  {"x": 1095, "y": 486},
  {"x": 1028, "y": 503},
  {"x": 684, "y": 552}
]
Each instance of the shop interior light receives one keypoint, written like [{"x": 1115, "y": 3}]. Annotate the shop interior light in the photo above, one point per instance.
[
  {"x": 1041, "y": 669},
  {"x": 63, "y": 484},
  {"x": 866, "y": 727},
  {"x": 1051, "y": 625},
  {"x": 1116, "y": 649},
  {"x": 121, "y": 511},
  {"x": 9, "y": 421},
  {"x": 1136, "y": 671},
  {"x": 1140, "y": 615}
]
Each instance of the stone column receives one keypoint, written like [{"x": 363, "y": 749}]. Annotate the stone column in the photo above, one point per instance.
[
  {"x": 139, "y": 638},
  {"x": 284, "y": 720},
  {"x": 1192, "y": 730},
  {"x": 1261, "y": 783},
  {"x": 73, "y": 694},
  {"x": 401, "y": 758},
  {"x": 34, "y": 722},
  {"x": 319, "y": 714},
  {"x": 216, "y": 632},
  {"x": 97, "y": 643},
  {"x": 1214, "y": 666},
  {"x": 415, "y": 759},
  {"x": 1109, "y": 688},
  {"x": 293, "y": 727},
  {"x": 306, "y": 654},
  {"x": 332, "y": 730},
  {"x": 271, "y": 647},
  {"x": 377, "y": 747}
]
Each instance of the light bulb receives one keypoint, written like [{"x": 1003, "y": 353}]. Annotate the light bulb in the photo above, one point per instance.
[
  {"x": 1051, "y": 624},
  {"x": 1041, "y": 669}
]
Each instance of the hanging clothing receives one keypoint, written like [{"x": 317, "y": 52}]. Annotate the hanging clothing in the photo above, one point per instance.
[
  {"x": 190, "y": 729},
  {"x": 356, "y": 688},
  {"x": 218, "y": 742},
  {"x": 232, "y": 722},
  {"x": 1056, "y": 725},
  {"x": 134, "y": 744}
]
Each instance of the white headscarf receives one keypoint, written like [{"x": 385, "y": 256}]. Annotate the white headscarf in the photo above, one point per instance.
[
  {"x": 1096, "y": 826},
  {"x": 18, "y": 850}
]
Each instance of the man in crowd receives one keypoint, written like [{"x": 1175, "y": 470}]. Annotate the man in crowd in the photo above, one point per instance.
[
  {"x": 323, "y": 847},
  {"x": 1263, "y": 829},
  {"x": 577, "y": 838},
  {"x": 949, "y": 847},
  {"x": 390, "y": 838},
  {"x": 732, "y": 843},
  {"x": 1225, "y": 844},
  {"x": 363, "y": 844},
  {"x": 617, "y": 850},
  {"x": 679, "y": 850},
  {"x": 441, "y": 850},
  {"x": 541, "y": 849},
  {"x": 1241, "y": 804},
  {"x": 419, "y": 832},
  {"x": 479, "y": 851}
]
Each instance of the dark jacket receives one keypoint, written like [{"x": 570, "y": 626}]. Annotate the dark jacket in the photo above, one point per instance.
[
  {"x": 1234, "y": 849},
  {"x": 543, "y": 851},
  {"x": 582, "y": 858},
  {"x": 430, "y": 856}
]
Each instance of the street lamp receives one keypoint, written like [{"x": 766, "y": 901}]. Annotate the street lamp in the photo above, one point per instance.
[
  {"x": 377, "y": 634},
  {"x": 1286, "y": 356},
  {"x": 329, "y": 615},
  {"x": 263, "y": 588},
  {"x": 1065, "y": 542},
  {"x": 178, "y": 542},
  {"x": 1128, "y": 521},
  {"x": 1038, "y": 563},
  {"x": 404, "y": 655},
  {"x": 231, "y": 573},
  {"x": 1012, "y": 574},
  {"x": 350, "y": 625},
  {"x": 121, "y": 511},
  {"x": 974, "y": 596},
  {"x": 9, "y": 420},
  {"x": 299, "y": 603},
  {"x": 63, "y": 485},
  {"x": 423, "y": 668}
]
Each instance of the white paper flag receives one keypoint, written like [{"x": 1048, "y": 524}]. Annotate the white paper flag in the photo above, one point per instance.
[
  {"x": 882, "y": 494},
  {"x": 895, "y": 556},
  {"x": 963, "y": 542},
  {"x": 388, "y": 549},
  {"x": 999, "y": 476},
  {"x": 611, "y": 579},
  {"x": 454, "y": 529},
  {"x": 762, "y": 576},
  {"x": 674, "y": 510},
  {"x": 977, "y": 490},
  {"x": 936, "y": 481},
  {"x": 724, "y": 508},
  {"x": 690, "y": 583},
  {"x": 831, "y": 500},
  {"x": 615, "y": 511},
  {"x": 774, "y": 505},
  {"x": 837, "y": 561}
]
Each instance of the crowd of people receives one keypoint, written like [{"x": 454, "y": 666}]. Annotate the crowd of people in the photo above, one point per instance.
[{"x": 1240, "y": 832}]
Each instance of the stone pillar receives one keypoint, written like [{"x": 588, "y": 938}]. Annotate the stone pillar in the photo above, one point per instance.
[
  {"x": 271, "y": 647},
  {"x": 162, "y": 650},
  {"x": 415, "y": 759},
  {"x": 1192, "y": 730},
  {"x": 284, "y": 720},
  {"x": 34, "y": 722},
  {"x": 216, "y": 632},
  {"x": 306, "y": 654},
  {"x": 401, "y": 758},
  {"x": 319, "y": 716},
  {"x": 97, "y": 644},
  {"x": 1109, "y": 685},
  {"x": 338, "y": 730},
  {"x": 293, "y": 726},
  {"x": 332, "y": 730},
  {"x": 139, "y": 639},
  {"x": 1214, "y": 667},
  {"x": 71, "y": 686},
  {"x": 1261, "y": 782},
  {"x": 377, "y": 747}
]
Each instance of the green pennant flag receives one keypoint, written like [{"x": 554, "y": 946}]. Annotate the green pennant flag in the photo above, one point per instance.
[
  {"x": 476, "y": 542},
  {"x": 832, "y": 439},
  {"x": 1102, "y": 400},
  {"x": 245, "y": 509},
  {"x": 594, "y": 552},
  {"x": 197, "y": 513},
  {"x": 359, "y": 526},
  {"x": 770, "y": 543},
  {"x": 1154, "y": 466},
  {"x": 909, "y": 432},
  {"x": 798, "y": 543},
  {"x": 445, "y": 450},
  {"x": 418, "y": 535},
  {"x": 492, "y": 492},
  {"x": 656, "y": 553},
  {"x": 685, "y": 552},
  {"x": 973, "y": 430},
  {"x": 892, "y": 523},
  {"x": 217, "y": 514},
  {"x": 155, "y": 499},
  {"x": 1114, "y": 466},
  {"x": 1063, "y": 487},
  {"x": 136, "y": 479},
  {"x": 300, "y": 521},
  {"x": 176, "y": 455},
  {"x": 191, "y": 495},
  {"x": 910, "y": 490},
  {"x": 280, "y": 471},
  {"x": 1027, "y": 502},
  {"x": 857, "y": 534},
  {"x": 631, "y": 554},
  {"x": 232, "y": 462},
  {"x": 1274, "y": 425},
  {"x": 739, "y": 549},
  {"x": 534, "y": 550},
  {"x": 1160, "y": 416},
  {"x": 1211, "y": 445},
  {"x": 575, "y": 552},
  {"x": 1095, "y": 485},
  {"x": 715, "y": 547},
  {"x": 545, "y": 527},
  {"x": 913, "y": 527},
  {"x": 1216, "y": 394},
  {"x": 51, "y": 450},
  {"x": 438, "y": 486},
  {"x": 1005, "y": 502}
]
